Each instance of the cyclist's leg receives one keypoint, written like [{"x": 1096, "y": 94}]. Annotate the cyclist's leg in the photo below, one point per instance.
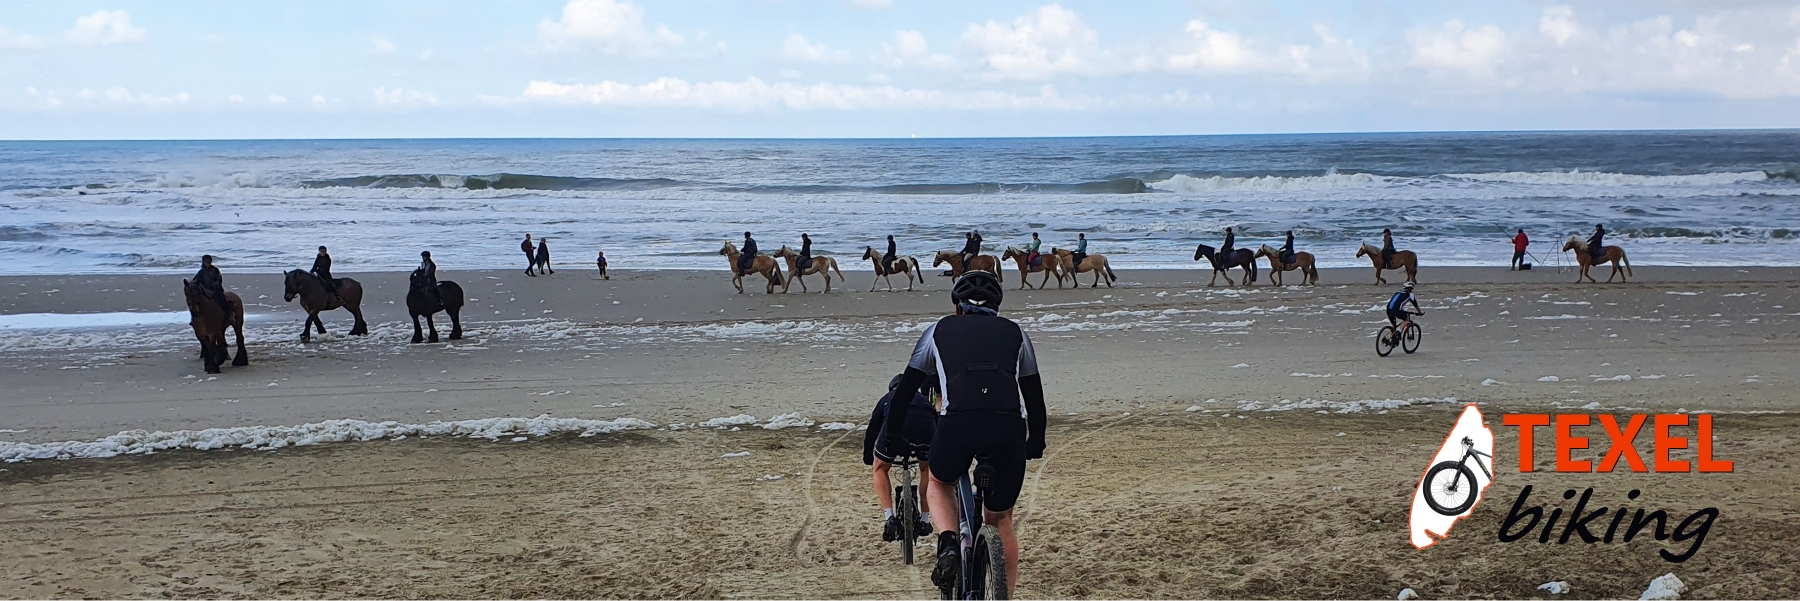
[
  {"x": 1005, "y": 451},
  {"x": 1003, "y": 521},
  {"x": 884, "y": 486}
]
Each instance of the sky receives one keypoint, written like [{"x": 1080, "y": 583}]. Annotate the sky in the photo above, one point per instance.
[{"x": 73, "y": 69}]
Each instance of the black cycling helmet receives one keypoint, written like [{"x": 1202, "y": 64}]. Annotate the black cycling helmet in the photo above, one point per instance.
[{"x": 978, "y": 288}]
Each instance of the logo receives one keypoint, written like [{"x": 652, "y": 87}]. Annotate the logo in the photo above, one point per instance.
[{"x": 1455, "y": 479}]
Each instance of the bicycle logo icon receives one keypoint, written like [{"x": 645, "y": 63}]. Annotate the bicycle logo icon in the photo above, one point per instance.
[{"x": 1454, "y": 480}]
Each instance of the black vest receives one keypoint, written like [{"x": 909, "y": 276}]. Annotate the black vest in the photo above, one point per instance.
[{"x": 979, "y": 359}]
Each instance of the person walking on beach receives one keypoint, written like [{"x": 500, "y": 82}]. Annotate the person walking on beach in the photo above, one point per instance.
[
  {"x": 322, "y": 267},
  {"x": 805, "y": 252},
  {"x": 1519, "y": 243},
  {"x": 543, "y": 256},
  {"x": 1597, "y": 243},
  {"x": 530, "y": 257},
  {"x": 1387, "y": 248},
  {"x": 428, "y": 268},
  {"x": 601, "y": 261},
  {"x": 749, "y": 257},
  {"x": 213, "y": 282},
  {"x": 887, "y": 259}
]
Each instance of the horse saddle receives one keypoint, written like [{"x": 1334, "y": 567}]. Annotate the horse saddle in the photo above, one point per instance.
[
  {"x": 1035, "y": 259},
  {"x": 806, "y": 262}
]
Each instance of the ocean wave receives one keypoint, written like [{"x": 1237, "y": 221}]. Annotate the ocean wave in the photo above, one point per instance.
[
  {"x": 501, "y": 181},
  {"x": 1332, "y": 180},
  {"x": 1188, "y": 184},
  {"x": 1601, "y": 178},
  {"x": 558, "y": 183}
]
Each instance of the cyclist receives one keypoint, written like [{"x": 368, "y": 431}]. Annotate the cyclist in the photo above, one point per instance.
[
  {"x": 993, "y": 408},
  {"x": 1396, "y": 308},
  {"x": 876, "y": 453}
]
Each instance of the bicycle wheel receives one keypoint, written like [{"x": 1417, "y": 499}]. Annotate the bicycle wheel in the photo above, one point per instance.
[
  {"x": 1410, "y": 341},
  {"x": 990, "y": 564},
  {"x": 1450, "y": 488},
  {"x": 1384, "y": 341},
  {"x": 906, "y": 505}
]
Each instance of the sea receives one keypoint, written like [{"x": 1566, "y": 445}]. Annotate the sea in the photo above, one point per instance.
[{"x": 1693, "y": 198}]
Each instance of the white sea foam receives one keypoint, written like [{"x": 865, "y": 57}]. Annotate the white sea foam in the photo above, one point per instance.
[{"x": 788, "y": 420}]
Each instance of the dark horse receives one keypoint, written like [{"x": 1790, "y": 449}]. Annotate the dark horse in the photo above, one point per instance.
[
  {"x": 208, "y": 320},
  {"x": 420, "y": 302},
  {"x": 1242, "y": 257},
  {"x": 314, "y": 299}
]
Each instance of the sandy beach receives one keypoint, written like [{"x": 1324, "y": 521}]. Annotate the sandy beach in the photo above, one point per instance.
[{"x": 1292, "y": 413}]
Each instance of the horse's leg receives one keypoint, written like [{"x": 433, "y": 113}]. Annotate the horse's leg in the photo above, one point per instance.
[
  {"x": 455, "y": 323},
  {"x": 360, "y": 328},
  {"x": 433, "y": 326},
  {"x": 738, "y": 281},
  {"x": 418, "y": 334},
  {"x": 242, "y": 358}
]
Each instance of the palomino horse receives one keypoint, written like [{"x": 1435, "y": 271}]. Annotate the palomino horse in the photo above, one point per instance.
[
  {"x": 760, "y": 264},
  {"x": 985, "y": 263},
  {"x": 906, "y": 266},
  {"x": 1403, "y": 259},
  {"x": 1303, "y": 261},
  {"x": 314, "y": 298},
  {"x": 1586, "y": 260},
  {"x": 208, "y": 320},
  {"x": 1239, "y": 258},
  {"x": 821, "y": 266},
  {"x": 1046, "y": 263},
  {"x": 1094, "y": 263},
  {"x": 420, "y": 302}
]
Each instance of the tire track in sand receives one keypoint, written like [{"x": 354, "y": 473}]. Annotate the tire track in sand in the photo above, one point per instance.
[{"x": 797, "y": 544}]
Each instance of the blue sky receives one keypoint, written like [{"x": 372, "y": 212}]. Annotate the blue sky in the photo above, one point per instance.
[{"x": 885, "y": 68}]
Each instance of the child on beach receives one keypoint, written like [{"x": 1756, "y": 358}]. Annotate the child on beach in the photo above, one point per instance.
[{"x": 601, "y": 261}]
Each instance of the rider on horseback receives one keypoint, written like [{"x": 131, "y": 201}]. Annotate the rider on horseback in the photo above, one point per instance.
[
  {"x": 1031, "y": 252},
  {"x": 210, "y": 280},
  {"x": 805, "y": 252},
  {"x": 1596, "y": 244},
  {"x": 887, "y": 260},
  {"x": 1080, "y": 253},
  {"x": 1387, "y": 248},
  {"x": 322, "y": 268},
  {"x": 971, "y": 247},
  {"x": 429, "y": 269},
  {"x": 749, "y": 257},
  {"x": 1229, "y": 245},
  {"x": 1287, "y": 249}
]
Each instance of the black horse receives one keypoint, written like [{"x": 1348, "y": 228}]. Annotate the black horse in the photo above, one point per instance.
[
  {"x": 420, "y": 302},
  {"x": 1242, "y": 257}
]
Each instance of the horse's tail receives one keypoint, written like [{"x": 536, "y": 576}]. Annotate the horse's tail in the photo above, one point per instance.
[
  {"x": 1627, "y": 261},
  {"x": 1109, "y": 272},
  {"x": 916, "y": 271},
  {"x": 840, "y": 272},
  {"x": 776, "y": 269}
]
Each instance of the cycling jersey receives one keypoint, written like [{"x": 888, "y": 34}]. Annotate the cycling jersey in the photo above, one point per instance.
[
  {"x": 978, "y": 360},
  {"x": 918, "y": 430},
  {"x": 1398, "y": 302}
]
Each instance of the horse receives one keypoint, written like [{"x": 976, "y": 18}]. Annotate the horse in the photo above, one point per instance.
[
  {"x": 906, "y": 266},
  {"x": 1048, "y": 264},
  {"x": 1309, "y": 273},
  {"x": 1403, "y": 259},
  {"x": 209, "y": 323},
  {"x": 1586, "y": 260},
  {"x": 314, "y": 298},
  {"x": 1239, "y": 258},
  {"x": 985, "y": 263},
  {"x": 820, "y": 266},
  {"x": 420, "y": 302},
  {"x": 760, "y": 264},
  {"x": 1094, "y": 263}
]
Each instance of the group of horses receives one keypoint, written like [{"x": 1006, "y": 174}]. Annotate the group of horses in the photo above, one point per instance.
[
  {"x": 210, "y": 321},
  {"x": 1058, "y": 263},
  {"x": 1402, "y": 260}
]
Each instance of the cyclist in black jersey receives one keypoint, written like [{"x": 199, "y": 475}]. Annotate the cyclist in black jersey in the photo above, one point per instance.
[
  {"x": 993, "y": 408},
  {"x": 1396, "y": 307},
  {"x": 878, "y": 454}
]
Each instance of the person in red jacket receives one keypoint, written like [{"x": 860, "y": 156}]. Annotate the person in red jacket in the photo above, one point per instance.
[{"x": 1519, "y": 243}]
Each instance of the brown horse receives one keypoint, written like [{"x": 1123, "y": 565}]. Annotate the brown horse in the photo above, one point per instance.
[
  {"x": 1403, "y": 259},
  {"x": 820, "y": 265},
  {"x": 1241, "y": 257},
  {"x": 1614, "y": 254},
  {"x": 1094, "y": 263},
  {"x": 314, "y": 298},
  {"x": 985, "y": 263},
  {"x": 208, "y": 320},
  {"x": 762, "y": 264},
  {"x": 1303, "y": 261},
  {"x": 906, "y": 266},
  {"x": 1048, "y": 264}
]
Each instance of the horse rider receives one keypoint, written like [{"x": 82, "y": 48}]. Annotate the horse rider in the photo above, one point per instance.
[
  {"x": 1229, "y": 245},
  {"x": 971, "y": 247},
  {"x": 805, "y": 252},
  {"x": 530, "y": 258},
  {"x": 322, "y": 268},
  {"x": 1387, "y": 248},
  {"x": 749, "y": 257},
  {"x": 429, "y": 268},
  {"x": 1597, "y": 243},
  {"x": 543, "y": 255},
  {"x": 887, "y": 260},
  {"x": 1287, "y": 250},
  {"x": 210, "y": 280},
  {"x": 1080, "y": 252},
  {"x": 1031, "y": 250}
]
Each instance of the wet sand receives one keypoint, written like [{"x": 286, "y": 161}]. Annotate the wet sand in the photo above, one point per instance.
[{"x": 1185, "y": 504}]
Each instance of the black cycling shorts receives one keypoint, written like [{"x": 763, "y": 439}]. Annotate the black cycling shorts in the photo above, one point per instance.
[
  {"x": 997, "y": 438},
  {"x": 918, "y": 434},
  {"x": 1395, "y": 317}
]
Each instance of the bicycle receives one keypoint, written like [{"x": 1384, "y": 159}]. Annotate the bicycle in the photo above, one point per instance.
[
  {"x": 1388, "y": 338},
  {"x": 906, "y": 505},
  {"x": 983, "y": 555},
  {"x": 1457, "y": 498}
]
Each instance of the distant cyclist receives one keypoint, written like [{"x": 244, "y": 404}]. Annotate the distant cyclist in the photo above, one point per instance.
[
  {"x": 993, "y": 408},
  {"x": 1396, "y": 308},
  {"x": 877, "y": 453}
]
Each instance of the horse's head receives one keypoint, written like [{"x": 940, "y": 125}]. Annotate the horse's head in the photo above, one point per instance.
[
  {"x": 191, "y": 291},
  {"x": 784, "y": 252},
  {"x": 1574, "y": 243},
  {"x": 1202, "y": 251},
  {"x": 942, "y": 257},
  {"x": 418, "y": 280},
  {"x": 729, "y": 249},
  {"x": 1012, "y": 252},
  {"x": 1265, "y": 251},
  {"x": 1364, "y": 251},
  {"x": 868, "y": 252},
  {"x": 291, "y": 286}
]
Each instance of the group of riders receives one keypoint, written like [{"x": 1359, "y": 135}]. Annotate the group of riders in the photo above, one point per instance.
[
  {"x": 213, "y": 282},
  {"x": 971, "y": 248}
]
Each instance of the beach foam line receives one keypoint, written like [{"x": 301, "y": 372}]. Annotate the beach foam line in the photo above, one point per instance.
[{"x": 141, "y": 442}]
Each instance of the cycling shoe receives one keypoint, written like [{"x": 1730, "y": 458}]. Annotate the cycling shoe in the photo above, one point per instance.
[
  {"x": 949, "y": 560},
  {"x": 890, "y": 529}
]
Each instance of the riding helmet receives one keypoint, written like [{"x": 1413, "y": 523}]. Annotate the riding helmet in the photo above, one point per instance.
[{"x": 978, "y": 288}]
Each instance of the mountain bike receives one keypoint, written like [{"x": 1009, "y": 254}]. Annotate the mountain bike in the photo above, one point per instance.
[
  {"x": 1450, "y": 486},
  {"x": 983, "y": 555},
  {"x": 906, "y": 504},
  {"x": 1408, "y": 341}
]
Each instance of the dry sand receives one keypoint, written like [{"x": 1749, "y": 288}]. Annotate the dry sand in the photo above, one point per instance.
[{"x": 1163, "y": 502}]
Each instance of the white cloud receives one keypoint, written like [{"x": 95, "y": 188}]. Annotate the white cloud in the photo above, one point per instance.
[
  {"x": 381, "y": 45},
  {"x": 1558, "y": 23},
  {"x": 105, "y": 27},
  {"x": 235, "y": 98},
  {"x": 1042, "y": 44},
  {"x": 124, "y": 96},
  {"x": 18, "y": 41},
  {"x": 755, "y": 94},
  {"x": 1211, "y": 49},
  {"x": 909, "y": 49},
  {"x": 798, "y": 48},
  {"x": 606, "y": 25},
  {"x": 1204, "y": 49},
  {"x": 873, "y": 4},
  {"x": 277, "y": 99},
  {"x": 318, "y": 99},
  {"x": 402, "y": 97},
  {"x": 1454, "y": 47}
]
